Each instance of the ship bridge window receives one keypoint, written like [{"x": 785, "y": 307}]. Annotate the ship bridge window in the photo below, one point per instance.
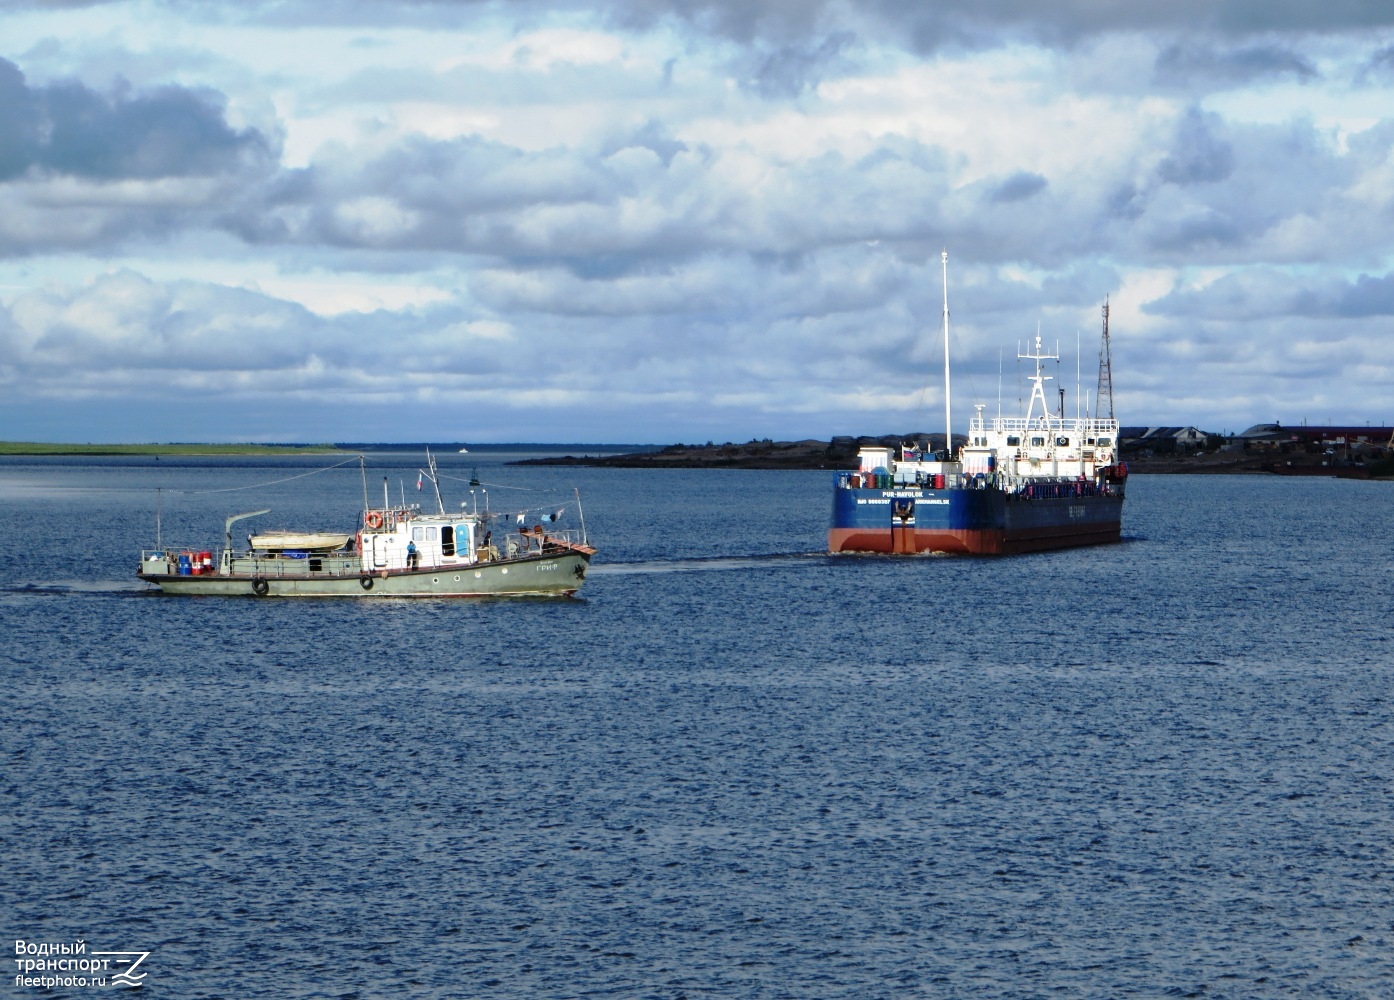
[
  {"x": 1013, "y": 441},
  {"x": 418, "y": 534},
  {"x": 1105, "y": 442},
  {"x": 1038, "y": 442},
  {"x": 1062, "y": 442}
]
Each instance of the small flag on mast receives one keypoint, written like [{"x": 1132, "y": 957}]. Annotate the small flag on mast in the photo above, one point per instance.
[{"x": 418, "y": 480}]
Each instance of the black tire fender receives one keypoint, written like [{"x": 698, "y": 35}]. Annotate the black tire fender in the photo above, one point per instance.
[
  {"x": 366, "y": 582},
  {"x": 260, "y": 586}
]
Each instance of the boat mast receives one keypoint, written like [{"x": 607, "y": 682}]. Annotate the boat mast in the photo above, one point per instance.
[
  {"x": 1038, "y": 382},
  {"x": 948, "y": 411},
  {"x": 435, "y": 482}
]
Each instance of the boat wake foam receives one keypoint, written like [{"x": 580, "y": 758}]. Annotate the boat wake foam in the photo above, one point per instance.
[
  {"x": 76, "y": 587},
  {"x": 698, "y": 564}
]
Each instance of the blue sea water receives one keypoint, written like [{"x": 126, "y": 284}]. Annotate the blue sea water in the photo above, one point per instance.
[{"x": 734, "y": 767}]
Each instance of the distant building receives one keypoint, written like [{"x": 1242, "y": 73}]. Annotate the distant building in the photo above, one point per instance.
[
  {"x": 1161, "y": 440},
  {"x": 1264, "y": 436},
  {"x": 1314, "y": 437}
]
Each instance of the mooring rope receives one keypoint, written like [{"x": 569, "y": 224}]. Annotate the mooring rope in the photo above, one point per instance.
[{"x": 274, "y": 482}]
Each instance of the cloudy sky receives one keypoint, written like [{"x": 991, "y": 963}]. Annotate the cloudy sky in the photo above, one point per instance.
[{"x": 682, "y": 220}]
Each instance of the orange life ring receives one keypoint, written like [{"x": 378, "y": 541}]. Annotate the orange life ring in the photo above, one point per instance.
[{"x": 373, "y": 519}]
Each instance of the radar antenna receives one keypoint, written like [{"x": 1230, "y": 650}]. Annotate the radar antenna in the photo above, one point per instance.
[{"x": 1104, "y": 397}]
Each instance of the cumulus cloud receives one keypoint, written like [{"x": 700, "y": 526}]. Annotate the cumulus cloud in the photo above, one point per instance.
[
  {"x": 69, "y": 129},
  {"x": 729, "y": 214}
]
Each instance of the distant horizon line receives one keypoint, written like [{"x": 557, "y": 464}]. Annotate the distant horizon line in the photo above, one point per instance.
[{"x": 454, "y": 447}]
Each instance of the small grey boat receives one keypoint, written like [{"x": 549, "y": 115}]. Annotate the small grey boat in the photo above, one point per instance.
[{"x": 397, "y": 551}]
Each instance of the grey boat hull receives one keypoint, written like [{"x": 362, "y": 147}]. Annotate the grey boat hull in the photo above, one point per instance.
[{"x": 551, "y": 575}]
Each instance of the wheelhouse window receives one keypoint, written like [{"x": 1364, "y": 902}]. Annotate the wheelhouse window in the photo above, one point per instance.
[
  {"x": 1062, "y": 442},
  {"x": 1013, "y": 441},
  {"x": 1038, "y": 442}
]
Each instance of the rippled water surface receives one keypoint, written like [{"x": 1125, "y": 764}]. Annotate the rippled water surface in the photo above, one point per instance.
[{"x": 734, "y": 768}]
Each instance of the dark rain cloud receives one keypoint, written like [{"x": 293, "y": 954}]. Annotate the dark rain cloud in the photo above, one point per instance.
[
  {"x": 791, "y": 69},
  {"x": 1018, "y": 187},
  {"x": 1378, "y": 68},
  {"x": 1364, "y": 297},
  {"x": 70, "y": 129},
  {"x": 1269, "y": 293},
  {"x": 976, "y": 23},
  {"x": 1188, "y": 64},
  {"x": 918, "y": 25},
  {"x": 1368, "y": 296},
  {"x": 1198, "y": 154}
]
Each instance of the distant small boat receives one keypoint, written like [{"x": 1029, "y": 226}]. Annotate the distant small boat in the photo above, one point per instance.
[{"x": 464, "y": 451}]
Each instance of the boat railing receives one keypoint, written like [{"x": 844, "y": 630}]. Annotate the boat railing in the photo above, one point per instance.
[
  {"x": 546, "y": 541},
  {"x": 1031, "y": 487},
  {"x": 208, "y": 562},
  {"x": 264, "y": 565},
  {"x": 1020, "y": 425},
  {"x": 170, "y": 558}
]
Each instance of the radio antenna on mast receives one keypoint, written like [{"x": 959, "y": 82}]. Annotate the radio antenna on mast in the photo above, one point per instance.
[{"x": 1104, "y": 397}]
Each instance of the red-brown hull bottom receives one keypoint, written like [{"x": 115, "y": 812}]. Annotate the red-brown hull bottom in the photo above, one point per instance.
[{"x": 975, "y": 542}]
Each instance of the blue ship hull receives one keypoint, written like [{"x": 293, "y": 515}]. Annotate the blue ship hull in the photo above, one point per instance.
[{"x": 984, "y": 520}]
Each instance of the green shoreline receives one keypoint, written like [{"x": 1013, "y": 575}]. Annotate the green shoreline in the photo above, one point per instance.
[{"x": 38, "y": 448}]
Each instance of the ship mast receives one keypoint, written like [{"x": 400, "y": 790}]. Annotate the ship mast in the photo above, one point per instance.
[
  {"x": 1038, "y": 382},
  {"x": 1105, "y": 373},
  {"x": 432, "y": 476},
  {"x": 948, "y": 412}
]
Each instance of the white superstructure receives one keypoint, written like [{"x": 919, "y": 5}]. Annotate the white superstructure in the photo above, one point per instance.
[
  {"x": 1040, "y": 445},
  {"x": 1010, "y": 452}
]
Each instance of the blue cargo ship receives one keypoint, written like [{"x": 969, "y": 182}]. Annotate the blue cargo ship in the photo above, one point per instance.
[{"x": 1018, "y": 484}]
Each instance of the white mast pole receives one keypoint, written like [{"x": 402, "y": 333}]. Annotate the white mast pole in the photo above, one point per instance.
[
  {"x": 948, "y": 411},
  {"x": 999, "y": 386},
  {"x": 1076, "y": 375}
]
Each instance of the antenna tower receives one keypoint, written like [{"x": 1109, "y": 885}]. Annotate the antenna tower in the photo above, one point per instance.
[{"x": 1104, "y": 397}]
